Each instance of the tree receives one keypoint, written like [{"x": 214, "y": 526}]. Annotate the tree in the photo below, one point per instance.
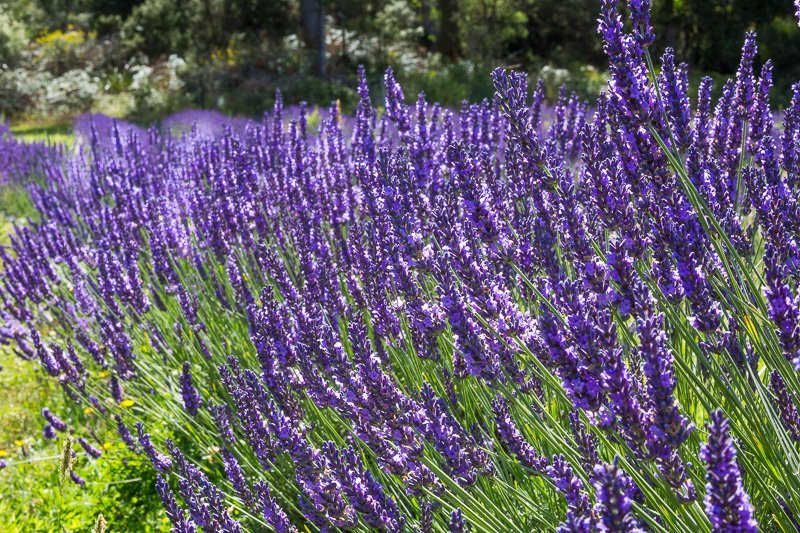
[
  {"x": 312, "y": 21},
  {"x": 448, "y": 40}
]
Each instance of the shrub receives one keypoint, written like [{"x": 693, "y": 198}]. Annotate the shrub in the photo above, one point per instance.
[
  {"x": 509, "y": 316},
  {"x": 13, "y": 38}
]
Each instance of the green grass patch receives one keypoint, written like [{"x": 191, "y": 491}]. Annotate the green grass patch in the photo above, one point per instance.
[
  {"x": 57, "y": 132},
  {"x": 15, "y": 206},
  {"x": 119, "y": 484}
]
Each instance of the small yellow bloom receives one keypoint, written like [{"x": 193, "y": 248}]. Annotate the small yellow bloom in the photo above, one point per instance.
[
  {"x": 126, "y": 403},
  {"x": 104, "y": 374},
  {"x": 3, "y": 453},
  {"x": 20, "y": 442},
  {"x": 88, "y": 411},
  {"x": 107, "y": 445}
]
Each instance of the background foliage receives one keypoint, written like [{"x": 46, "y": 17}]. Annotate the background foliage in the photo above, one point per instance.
[{"x": 146, "y": 58}]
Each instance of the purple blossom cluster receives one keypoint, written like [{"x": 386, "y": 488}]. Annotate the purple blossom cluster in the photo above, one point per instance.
[
  {"x": 727, "y": 505},
  {"x": 412, "y": 316},
  {"x": 22, "y": 161}
]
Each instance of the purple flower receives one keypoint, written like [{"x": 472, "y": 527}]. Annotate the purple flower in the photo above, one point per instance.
[
  {"x": 727, "y": 504},
  {"x": 570, "y": 485},
  {"x": 471, "y": 355},
  {"x": 670, "y": 426},
  {"x": 222, "y": 419},
  {"x": 465, "y": 460},
  {"x": 634, "y": 420},
  {"x": 160, "y": 461},
  {"x": 125, "y": 434},
  {"x": 48, "y": 361},
  {"x": 272, "y": 512},
  {"x": 640, "y": 17},
  {"x": 235, "y": 475},
  {"x": 586, "y": 441},
  {"x": 745, "y": 80},
  {"x": 90, "y": 450},
  {"x": 396, "y": 109},
  {"x": 191, "y": 398},
  {"x": 91, "y": 347},
  {"x": 674, "y": 86},
  {"x": 205, "y": 501},
  {"x": 175, "y": 513},
  {"x": 115, "y": 388},
  {"x": 457, "y": 522},
  {"x": 784, "y": 310},
  {"x": 426, "y": 517},
  {"x": 366, "y": 495},
  {"x": 786, "y": 405},
  {"x": 613, "y": 507},
  {"x": 631, "y": 93},
  {"x": 53, "y": 420},
  {"x": 513, "y": 438},
  {"x": 574, "y": 524}
]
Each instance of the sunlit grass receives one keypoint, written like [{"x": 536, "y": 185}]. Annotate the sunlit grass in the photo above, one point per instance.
[
  {"x": 119, "y": 485},
  {"x": 56, "y": 132}
]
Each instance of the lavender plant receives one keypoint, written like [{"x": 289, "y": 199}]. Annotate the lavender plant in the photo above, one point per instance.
[{"x": 422, "y": 318}]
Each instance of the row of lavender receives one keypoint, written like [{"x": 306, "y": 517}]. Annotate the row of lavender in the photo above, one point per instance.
[
  {"x": 20, "y": 160},
  {"x": 427, "y": 319}
]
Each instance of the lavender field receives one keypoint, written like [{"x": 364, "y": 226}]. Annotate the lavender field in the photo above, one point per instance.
[{"x": 514, "y": 316}]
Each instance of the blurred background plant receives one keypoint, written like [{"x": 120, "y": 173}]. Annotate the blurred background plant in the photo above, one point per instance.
[{"x": 143, "y": 59}]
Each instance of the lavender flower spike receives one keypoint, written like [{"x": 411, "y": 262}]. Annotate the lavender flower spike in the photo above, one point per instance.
[
  {"x": 161, "y": 462},
  {"x": 53, "y": 420},
  {"x": 613, "y": 502},
  {"x": 570, "y": 485},
  {"x": 125, "y": 434},
  {"x": 174, "y": 511},
  {"x": 274, "y": 515},
  {"x": 727, "y": 504},
  {"x": 191, "y": 398},
  {"x": 90, "y": 450},
  {"x": 513, "y": 438},
  {"x": 786, "y": 406},
  {"x": 797, "y": 11},
  {"x": 235, "y": 475},
  {"x": 457, "y": 522}
]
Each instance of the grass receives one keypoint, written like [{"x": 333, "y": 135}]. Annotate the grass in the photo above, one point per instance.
[
  {"x": 119, "y": 484},
  {"x": 15, "y": 208},
  {"x": 57, "y": 131}
]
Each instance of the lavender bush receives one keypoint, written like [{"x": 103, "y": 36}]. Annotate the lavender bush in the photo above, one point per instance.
[
  {"x": 440, "y": 320},
  {"x": 21, "y": 162}
]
